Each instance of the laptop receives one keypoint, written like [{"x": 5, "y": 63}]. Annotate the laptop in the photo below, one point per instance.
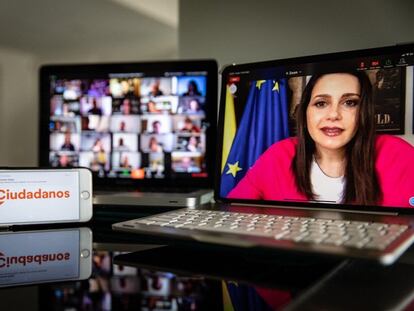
[
  {"x": 146, "y": 130},
  {"x": 315, "y": 155}
]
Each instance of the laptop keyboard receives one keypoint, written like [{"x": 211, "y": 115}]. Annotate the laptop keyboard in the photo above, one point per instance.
[{"x": 354, "y": 234}]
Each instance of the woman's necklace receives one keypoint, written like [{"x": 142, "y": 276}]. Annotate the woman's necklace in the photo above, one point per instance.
[{"x": 328, "y": 172}]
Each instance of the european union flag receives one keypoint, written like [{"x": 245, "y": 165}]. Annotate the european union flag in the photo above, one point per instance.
[{"x": 264, "y": 122}]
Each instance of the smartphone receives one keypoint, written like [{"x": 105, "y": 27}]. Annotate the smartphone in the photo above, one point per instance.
[
  {"x": 33, "y": 257},
  {"x": 40, "y": 196}
]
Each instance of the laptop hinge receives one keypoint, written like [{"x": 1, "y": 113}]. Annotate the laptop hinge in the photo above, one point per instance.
[{"x": 319, "y": 209}]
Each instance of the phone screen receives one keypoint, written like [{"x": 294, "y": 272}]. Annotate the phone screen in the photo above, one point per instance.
[
  {"x": 39, "y": 196},
  {"x": 28, "y": 257}
]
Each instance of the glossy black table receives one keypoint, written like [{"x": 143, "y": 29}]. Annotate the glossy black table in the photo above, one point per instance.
[{"x": 133, "y": 272}]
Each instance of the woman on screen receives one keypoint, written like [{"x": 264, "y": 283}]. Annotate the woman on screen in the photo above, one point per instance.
[{"x": 336, "y": 156}]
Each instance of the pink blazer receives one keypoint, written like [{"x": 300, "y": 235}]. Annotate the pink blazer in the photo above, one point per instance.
[{"x": 271, "y": 177}]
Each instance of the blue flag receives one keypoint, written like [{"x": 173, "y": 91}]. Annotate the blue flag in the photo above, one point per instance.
[
  {"x": 245, "y": 298},
  {"x": 264, "y": 122}
]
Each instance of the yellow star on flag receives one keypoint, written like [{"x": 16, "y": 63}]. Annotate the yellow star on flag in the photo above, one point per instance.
[
  {"x": 276, "y": 86},
  {"x": 259, "y": 83},
  {"x": 233, "y": 168}
]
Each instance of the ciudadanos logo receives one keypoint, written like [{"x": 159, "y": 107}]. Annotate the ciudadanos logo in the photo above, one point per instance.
[
  {"x": 39, "y": 259},
  {"x": 24, "y": 194}
]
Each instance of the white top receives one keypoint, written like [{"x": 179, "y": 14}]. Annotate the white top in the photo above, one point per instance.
[{"x": 324, "y": 187}]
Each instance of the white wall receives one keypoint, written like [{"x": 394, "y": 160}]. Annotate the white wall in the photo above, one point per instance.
[
  {"x": 18, "y": 108},
  {"x": 245, "y": 31}
]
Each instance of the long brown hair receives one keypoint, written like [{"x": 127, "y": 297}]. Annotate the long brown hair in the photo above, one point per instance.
[{"x": 361, "y": 181}]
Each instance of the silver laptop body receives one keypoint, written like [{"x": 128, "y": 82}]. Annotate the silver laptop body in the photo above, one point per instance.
[
  {"x": 191, "y": 199},
  {"x": 380, "y": 231}
]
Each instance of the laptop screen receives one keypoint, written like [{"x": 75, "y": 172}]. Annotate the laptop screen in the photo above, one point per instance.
[
  {"x": 327, "y": 129},
  {"x": 131, "y": 122}
]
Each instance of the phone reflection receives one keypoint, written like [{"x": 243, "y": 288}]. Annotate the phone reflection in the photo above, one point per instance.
[{"x": 33, "y": 257}]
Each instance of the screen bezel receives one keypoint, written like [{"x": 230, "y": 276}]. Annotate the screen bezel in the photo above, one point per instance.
[
  {"x": 86, "y": 71},
  {"x": 227, "y": 71}
]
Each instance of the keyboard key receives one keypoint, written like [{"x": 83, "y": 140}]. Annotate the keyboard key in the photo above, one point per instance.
[
  {"x": 336, "y": 240},
  {"x": 311, "y": 238},
  {"x": 356, "y": 242}
]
